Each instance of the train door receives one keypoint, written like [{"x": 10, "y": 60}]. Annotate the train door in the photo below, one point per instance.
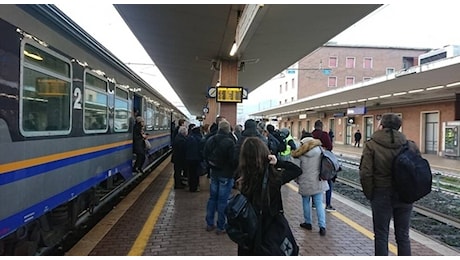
[
  {"x": 368, "y": 127},
  {"x": 332, "y": 127},
  {"x": 431, "y": 132},
  {"x": 137, "y": 105},
  {"x": 299, "y": 129},
  {"x": 349, "y": 133}
]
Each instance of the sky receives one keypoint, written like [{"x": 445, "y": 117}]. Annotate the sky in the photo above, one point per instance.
[{"x": 416, "y": 24}]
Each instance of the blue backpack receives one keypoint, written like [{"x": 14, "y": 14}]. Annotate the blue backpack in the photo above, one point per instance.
[{"x": 412, "y": 175}]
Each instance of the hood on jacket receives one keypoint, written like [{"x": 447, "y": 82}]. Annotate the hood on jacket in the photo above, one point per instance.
[
  {"x": 389, "y": 138},
  {"x": 308, "y": 143}
]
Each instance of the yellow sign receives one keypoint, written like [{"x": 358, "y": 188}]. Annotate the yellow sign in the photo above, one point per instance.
[{"x": 230, "y": 94}]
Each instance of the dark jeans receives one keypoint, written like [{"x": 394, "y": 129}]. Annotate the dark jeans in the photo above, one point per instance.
[
  {"x": 385, "y": 204},
  {"x": 193, "y": 177},
  {"x": 178, "y": 169},
  {"x": 219, "y": 191},
  {"x": 329, "y": 193}
]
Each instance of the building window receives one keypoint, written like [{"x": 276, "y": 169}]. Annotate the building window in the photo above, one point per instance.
[
  {"x": 332, "y": 82},
  {"x": 367, "y": 63},
  {"x": 408, "y": 62},
  {"x": 366, "y": 78},
  {"x": 281, "y": 89},
  {"x": 350, "y": 64},
  {"x": 292, "y": 81},
  {"x": 286, "y": 86},
  {"x": 285, "y": 100},
  {"x": 349, "y": 81},
  {"x": 390, "y": 71},
  {"x": 333, "y": 62},
  {"x": 292, "y": 99}
]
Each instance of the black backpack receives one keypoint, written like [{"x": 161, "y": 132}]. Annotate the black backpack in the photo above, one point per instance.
[
  {"x": 281, "y": 140},
  {"x": 213, "y": 155},
  {"x": 412, "y": 175}
]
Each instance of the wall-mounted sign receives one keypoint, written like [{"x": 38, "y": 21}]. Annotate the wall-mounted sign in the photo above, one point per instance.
[
  {"x": 229, "y": 94},
  {"x": 356, "y": 110}
]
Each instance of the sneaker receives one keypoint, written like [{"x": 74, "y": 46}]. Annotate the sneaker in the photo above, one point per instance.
[
  {"x": 330, "y": 208},
  {"x": 322, "y": 231},
  {"x": 306, "y": 226},
  {"x": 210, "y": 228}
]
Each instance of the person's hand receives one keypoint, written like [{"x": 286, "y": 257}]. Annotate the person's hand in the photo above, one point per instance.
[{"x": 272, "y": 159}]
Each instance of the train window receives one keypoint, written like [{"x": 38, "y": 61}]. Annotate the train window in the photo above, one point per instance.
[
  {"x": 45, "y": 107},
  {"x": 95, "y": 104},
  {"x": 121, "y": 121},
  {"x": 156, "y": 126},
  {"x": 149, "y": 119}
]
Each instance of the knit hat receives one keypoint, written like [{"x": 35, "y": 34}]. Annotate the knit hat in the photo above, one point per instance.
[{"x": 391, "y": 120}]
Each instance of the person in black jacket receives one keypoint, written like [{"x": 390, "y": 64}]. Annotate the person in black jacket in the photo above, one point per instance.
[
  {"x": 139, "y": 144},
  {"x": 178, "y": 156},
  {"x": 218, "y": 153},
  {"x": 254, "y": 158}
]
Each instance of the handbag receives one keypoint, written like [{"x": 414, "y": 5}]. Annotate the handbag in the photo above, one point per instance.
[
  {"x": 148, "y": 146},
  {"x": 277, "y": 239}
]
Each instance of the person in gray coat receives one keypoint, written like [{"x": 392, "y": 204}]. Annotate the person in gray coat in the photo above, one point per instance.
[{"x": 308, "y": 157}]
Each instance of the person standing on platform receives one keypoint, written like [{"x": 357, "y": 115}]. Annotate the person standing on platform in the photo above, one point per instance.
[
  {"x": 219, "y": 154},
  {"x": 255, "y": 158},
  {"x": 376, "y": 180},
  {"x": 178, "y": 156},
  {"x": 331, "y": 135},
  {"x": 308, "y": 157},
  {"x": 139, "y": 144},
  {"x": 357, "y": 138},
  {"x": 193, "y": 157},
  {"x": 290, "y": 145},
  {"x": 323, "y": 136}
]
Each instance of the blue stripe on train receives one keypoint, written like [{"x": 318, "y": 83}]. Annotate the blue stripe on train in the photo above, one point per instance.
[{"x": 11, "y": 223}]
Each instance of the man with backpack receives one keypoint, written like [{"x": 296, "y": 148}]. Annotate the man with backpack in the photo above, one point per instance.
[
  {"x": 376, "y": 177},
  {"x": 218, "y": 153}
]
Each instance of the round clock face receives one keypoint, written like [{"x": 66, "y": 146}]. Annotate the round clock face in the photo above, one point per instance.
[
  {"x": 245, "y": 93},
  {"x": 212, "y": 92}
]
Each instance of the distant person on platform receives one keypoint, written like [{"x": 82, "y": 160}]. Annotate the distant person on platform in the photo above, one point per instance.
[
  {"x": 357, "y": 138},
  {"x": 331, "y": 135}
]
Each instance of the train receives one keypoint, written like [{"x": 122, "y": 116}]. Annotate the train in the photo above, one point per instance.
[{"x": 67, "y": 108}]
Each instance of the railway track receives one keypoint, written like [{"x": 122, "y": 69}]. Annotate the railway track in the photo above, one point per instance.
[{"x": 436, "y": 215}]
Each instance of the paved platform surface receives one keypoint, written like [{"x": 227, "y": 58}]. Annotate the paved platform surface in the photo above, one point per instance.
[{"x": 157, "y": 220}]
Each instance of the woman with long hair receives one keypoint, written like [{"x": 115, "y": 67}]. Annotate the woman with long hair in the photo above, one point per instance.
[{"x": 254, "y": 160}]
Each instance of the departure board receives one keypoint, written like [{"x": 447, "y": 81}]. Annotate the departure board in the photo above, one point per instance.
[{"x": 229, "y": 94}]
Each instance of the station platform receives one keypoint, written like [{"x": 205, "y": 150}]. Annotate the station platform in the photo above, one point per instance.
[{"x": 156, "y": 220}]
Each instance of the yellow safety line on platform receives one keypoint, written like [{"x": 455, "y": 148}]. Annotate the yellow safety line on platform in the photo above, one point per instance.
[
  {"x": 141, "y": 241},
  {"x": 392, "y": 248}
]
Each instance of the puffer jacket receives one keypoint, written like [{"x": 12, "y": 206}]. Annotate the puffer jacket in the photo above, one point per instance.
[
  {"x": 308, "y": 158},
  {"x": 377, "y": 157}
]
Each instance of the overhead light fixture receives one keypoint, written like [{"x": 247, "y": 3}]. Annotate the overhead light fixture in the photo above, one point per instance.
[
  {"x": 453, "y": 84},
  {"x": 435, "y": 87},
  {"x": 234, "y": 49},
  {"x": 33, "y": 56},
  {"x": 416, "y": 90}
]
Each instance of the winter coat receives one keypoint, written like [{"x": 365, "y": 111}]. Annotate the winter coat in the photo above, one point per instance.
[
  {"x": 308, "y": 158},
  {"x": 223, "y": 145},
  {"x": 138, "y": 139},
  {"x": 193, "y": 146},
  {"x": 179, "y": 149},
  {"x": 377, "y": 157}
]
